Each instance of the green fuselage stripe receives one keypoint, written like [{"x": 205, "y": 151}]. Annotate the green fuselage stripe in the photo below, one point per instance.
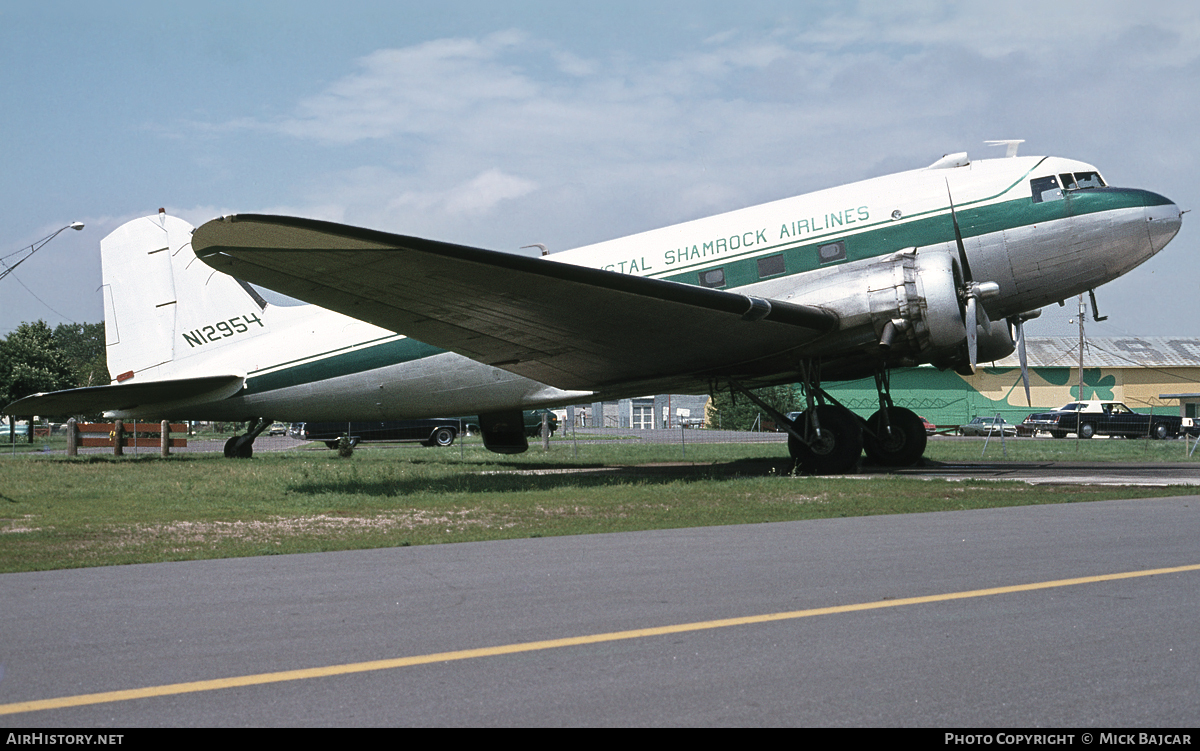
[
  {"x": 886, "y": 237},
  {"x": 335, "y": 365}
]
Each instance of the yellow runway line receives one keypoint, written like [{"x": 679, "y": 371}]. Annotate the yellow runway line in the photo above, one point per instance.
[{"x": 467, "y": 654}]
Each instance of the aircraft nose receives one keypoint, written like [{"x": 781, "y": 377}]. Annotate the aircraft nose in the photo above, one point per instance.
[{"x": 1163, "y": 220}]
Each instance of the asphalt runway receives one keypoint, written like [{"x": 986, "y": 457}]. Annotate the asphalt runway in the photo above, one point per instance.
[{"x": 1009, "y": 617}]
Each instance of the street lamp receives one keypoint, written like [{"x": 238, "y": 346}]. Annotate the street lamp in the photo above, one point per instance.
[{"x": 35, "y": 248}]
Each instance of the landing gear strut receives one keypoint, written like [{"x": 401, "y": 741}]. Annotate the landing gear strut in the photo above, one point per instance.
[
  {"x": 894, "y": 436},
  {"x": 242, "y": 446},
  {"x": 826, "y": 439},
  {"x": 835, "y": 439}
]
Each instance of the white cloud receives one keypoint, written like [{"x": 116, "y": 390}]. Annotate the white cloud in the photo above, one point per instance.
[
  {"x": 412, "y": 90},
  {"x": 506, "y": 140}
]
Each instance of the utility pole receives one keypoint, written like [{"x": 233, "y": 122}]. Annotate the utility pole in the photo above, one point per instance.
[{"x": 1079, "y": 398}]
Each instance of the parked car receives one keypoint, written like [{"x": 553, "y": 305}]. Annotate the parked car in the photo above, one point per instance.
[
  {"x": 930, "y": 428},
  {"x": 533, "y": 422},
  {"x": 1096, "y": 417},
  {"x": 1190, "y": 426},
  {"x": 277, "y": 428},
  {"x": 434, "y": 431},
  {"x": 987, "y": 426},
  {"x": 21, "y": 429},
  {"x": 1038, "y": 421}
]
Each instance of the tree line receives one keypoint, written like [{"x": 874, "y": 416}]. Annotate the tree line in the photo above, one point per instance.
[
  {"x": 35, "y": 358},
  {"x": 735, "y": 412}
]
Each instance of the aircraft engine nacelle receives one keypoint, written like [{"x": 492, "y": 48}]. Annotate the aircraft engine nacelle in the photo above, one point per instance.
[
  {"x": 918, "y": 314},
  {"x": 938, "y": 314},
  {"x": 915, "y": 308}
]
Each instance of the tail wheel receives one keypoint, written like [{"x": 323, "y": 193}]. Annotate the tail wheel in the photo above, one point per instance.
[
  {"x": 836, "y": 446},
  {"x": 234, "y": 451},
  {"x": 903, "y": 446}
]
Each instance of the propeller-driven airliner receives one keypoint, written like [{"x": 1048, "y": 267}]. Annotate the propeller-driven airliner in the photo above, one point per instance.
[{"x": 938, "y": 265}]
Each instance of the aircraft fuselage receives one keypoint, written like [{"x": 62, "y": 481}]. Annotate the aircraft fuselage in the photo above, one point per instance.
[{"x": 877, "y": 252}]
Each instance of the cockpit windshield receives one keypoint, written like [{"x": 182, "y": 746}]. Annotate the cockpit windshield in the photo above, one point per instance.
[{"x": 1050, "y": 189}]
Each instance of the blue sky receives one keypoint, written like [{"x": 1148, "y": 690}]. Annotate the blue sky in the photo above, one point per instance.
[{"x": 505, "y": 124}]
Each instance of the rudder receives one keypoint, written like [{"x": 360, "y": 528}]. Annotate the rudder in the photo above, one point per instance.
[{"x": 162, "y": 305}]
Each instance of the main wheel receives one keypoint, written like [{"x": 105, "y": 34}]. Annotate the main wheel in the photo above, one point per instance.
[
  {"x": 836, "y": 446},
  {"x": 904, "y": 446}
]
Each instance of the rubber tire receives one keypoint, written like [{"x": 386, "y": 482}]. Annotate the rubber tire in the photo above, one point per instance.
[
  {"x": 843, "y": 444},
  {"x": 1087, "y": 430},
  {"x": 1158, "y": 432},
  {"x": 233, "y": 452},
  {"x": 442, "y": 437},
  {"x": 907, "y": 443}
]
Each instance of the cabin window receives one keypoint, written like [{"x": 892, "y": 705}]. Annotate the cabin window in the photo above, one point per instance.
[
  {"x": 770, "y": 266},
  {"x": 832, "y": 252},
  {"x": 1068, "y": 181},
  {"x": 712, "y": 278},
  {"x": 1045, "y": 189}
]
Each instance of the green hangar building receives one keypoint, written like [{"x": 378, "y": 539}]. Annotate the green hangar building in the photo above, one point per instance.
[{"x": 1148, "y": 373}]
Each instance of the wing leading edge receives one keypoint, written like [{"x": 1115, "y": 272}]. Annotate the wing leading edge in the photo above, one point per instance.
[{"x": 568, "y": 326}]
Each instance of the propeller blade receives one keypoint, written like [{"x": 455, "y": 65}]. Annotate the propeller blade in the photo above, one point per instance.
[
  {"x": 962, "y": 249},
  {"x": 1024, "y": 361},
  {"x": 972, "y": 333}
]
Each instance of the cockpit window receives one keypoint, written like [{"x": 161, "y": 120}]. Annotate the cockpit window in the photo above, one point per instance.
[
  {"x": 1045, "y": 189},
  {"x": 1089, "y": 180}
]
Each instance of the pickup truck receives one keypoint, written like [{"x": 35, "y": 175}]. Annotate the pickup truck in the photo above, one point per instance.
[{"x": 1108, "y": 418}]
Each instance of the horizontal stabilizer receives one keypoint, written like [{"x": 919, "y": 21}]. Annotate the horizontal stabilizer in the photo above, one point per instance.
[{"x": 123, "y": 397}]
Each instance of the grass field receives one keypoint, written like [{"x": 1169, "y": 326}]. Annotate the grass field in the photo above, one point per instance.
[{"x": 93, "y": 511}]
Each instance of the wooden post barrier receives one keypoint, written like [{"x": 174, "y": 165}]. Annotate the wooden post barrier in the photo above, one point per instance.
[
  {"x": 102, "y": 434},
  {"x": 72, "y": 438}
]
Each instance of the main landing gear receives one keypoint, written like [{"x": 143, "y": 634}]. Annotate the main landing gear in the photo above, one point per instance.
[
  {"x": 827, "y": 438},
  {"x": 242, "y": 446},
  {"x": 893, "y": 436}
]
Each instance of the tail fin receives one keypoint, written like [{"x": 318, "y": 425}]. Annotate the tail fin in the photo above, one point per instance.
[{"x": 163, "y": 306}]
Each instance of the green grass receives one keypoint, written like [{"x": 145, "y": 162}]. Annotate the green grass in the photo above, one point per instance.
[
  {"x": 1060, "y": 450},
  {"x": 99, "y": 510}
]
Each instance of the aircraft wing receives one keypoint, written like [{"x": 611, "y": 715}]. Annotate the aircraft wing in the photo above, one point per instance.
[
  {"x": 568, "y": 326},
  {"x": 127, "y": 396}
]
